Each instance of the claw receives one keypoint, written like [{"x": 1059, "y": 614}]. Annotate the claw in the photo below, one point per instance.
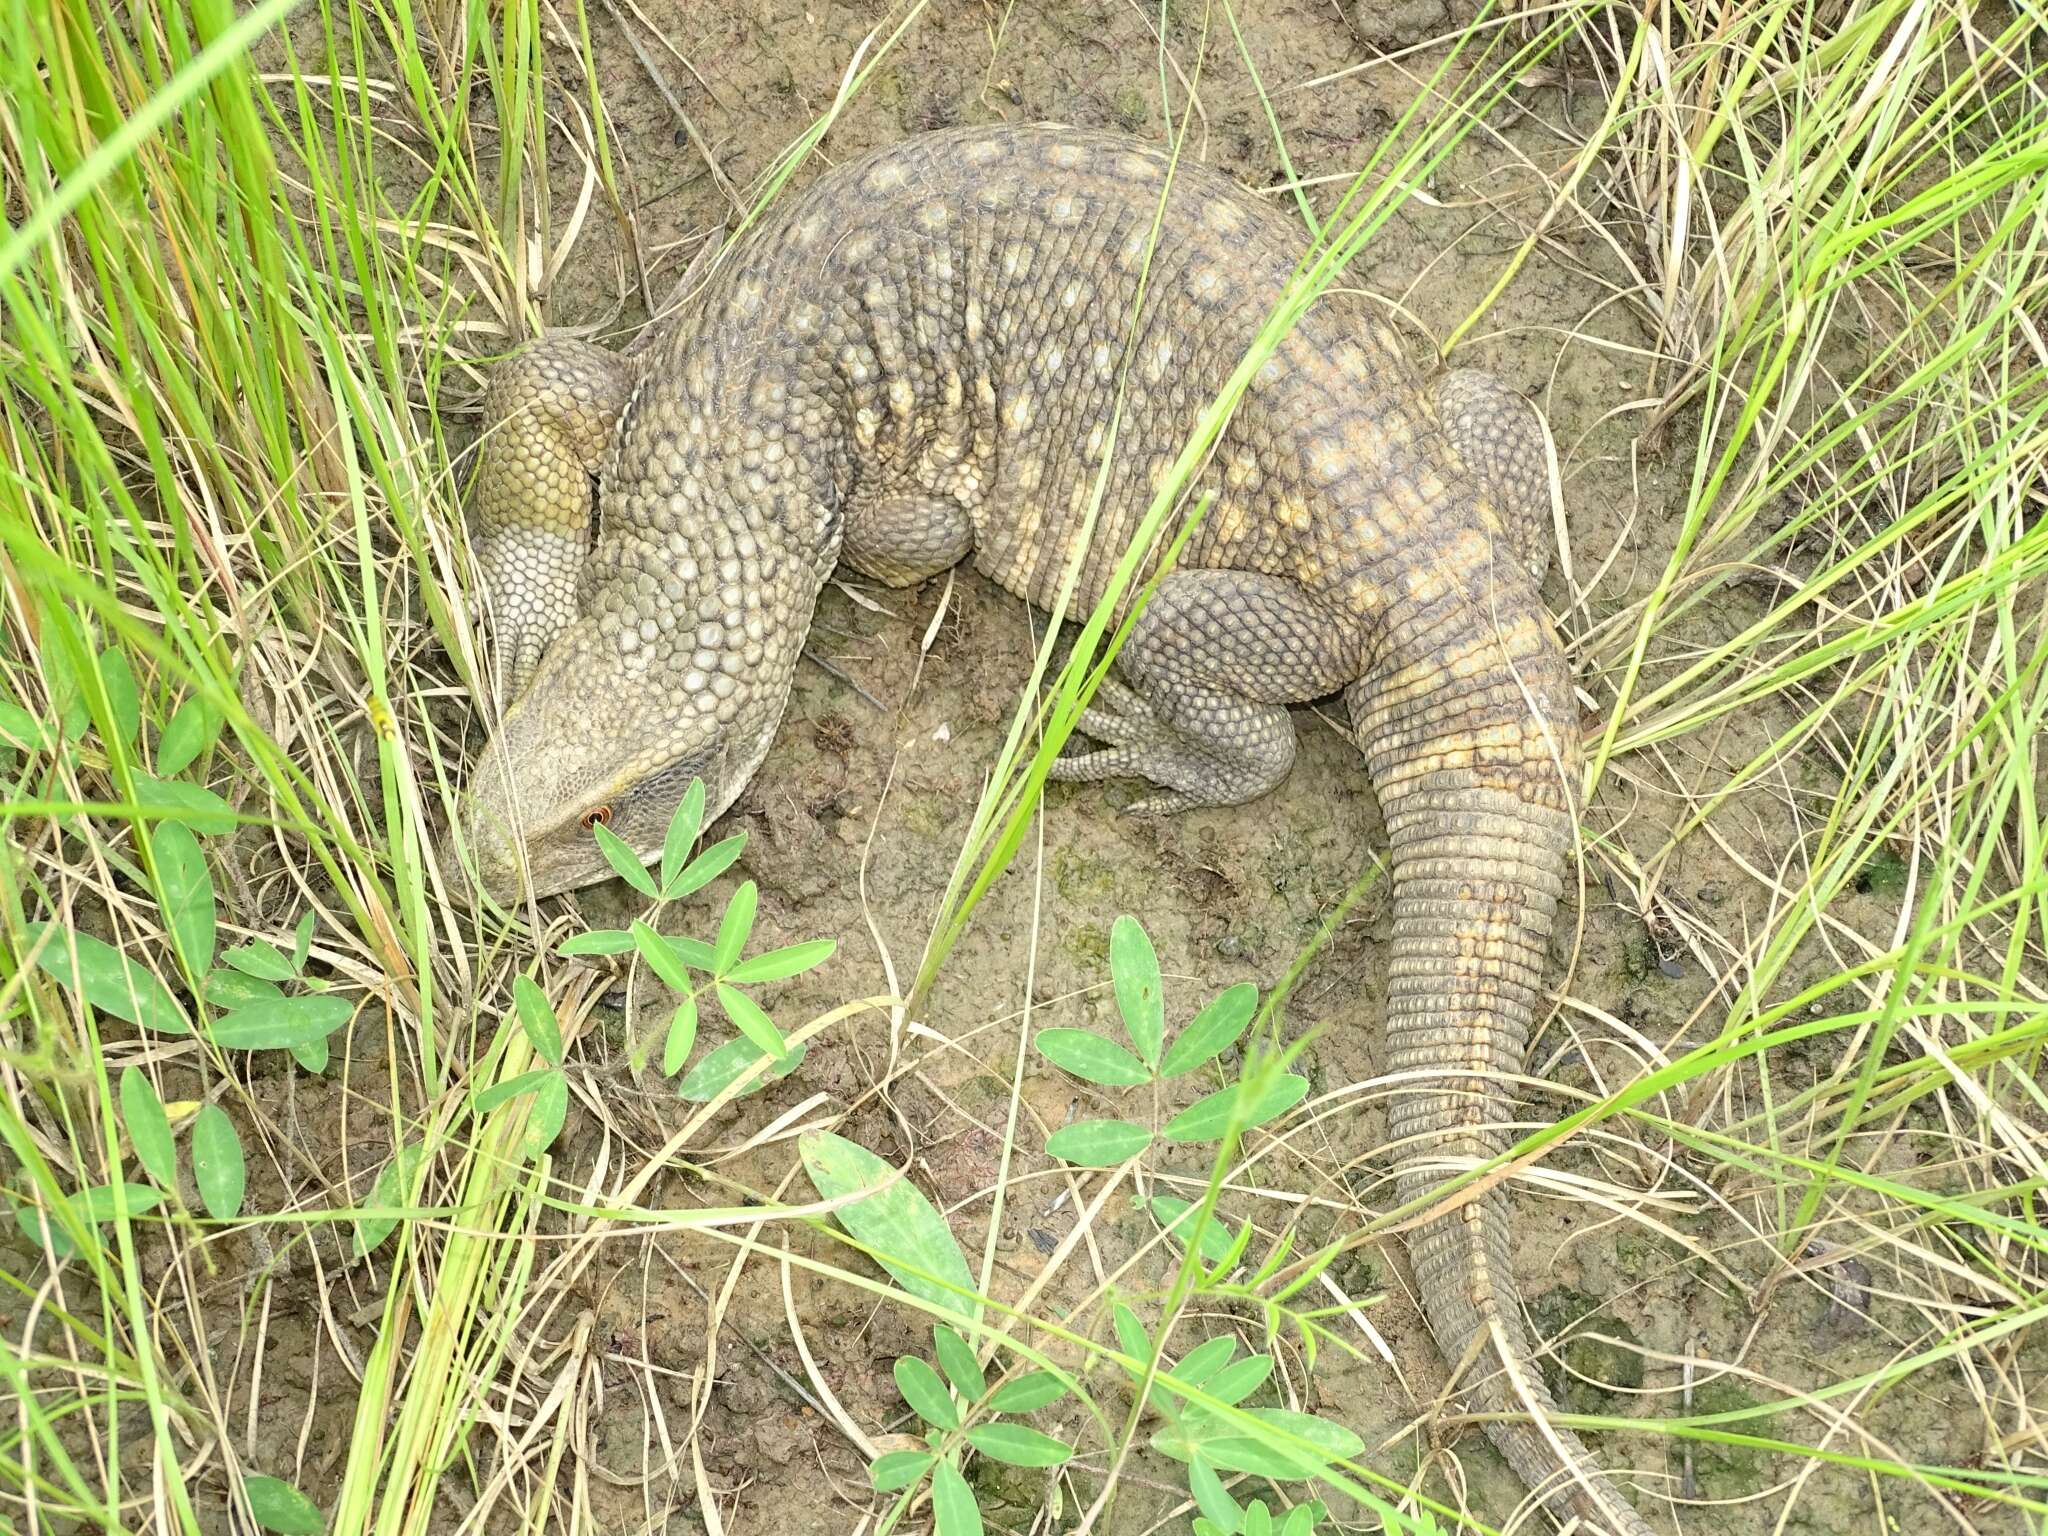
[{"x": 1172, "y": 803}]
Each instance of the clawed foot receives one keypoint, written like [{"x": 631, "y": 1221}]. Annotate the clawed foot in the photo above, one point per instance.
[{"x": 1137, "y": 744}]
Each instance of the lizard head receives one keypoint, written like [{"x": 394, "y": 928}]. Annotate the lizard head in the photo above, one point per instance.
[{"x": 612, "y": 737}]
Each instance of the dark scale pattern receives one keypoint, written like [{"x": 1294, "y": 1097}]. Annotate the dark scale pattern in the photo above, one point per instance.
[{"x": 916, "y": 361}]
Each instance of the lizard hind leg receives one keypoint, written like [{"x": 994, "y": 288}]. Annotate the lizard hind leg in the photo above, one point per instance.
[
  {"x": 1207, "y": 675},
  {"x": 901, "y": 537},
  {"x": 549, "y": 415},
  {"x": 1499, "y": 437}
]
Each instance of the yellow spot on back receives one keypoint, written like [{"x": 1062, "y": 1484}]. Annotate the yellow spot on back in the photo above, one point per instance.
[
  {"x": 1470, "y": 550},
  {"x": 1225, "y": 218},
  {"x": 886, "y": 177},
  {"x": 1425, "y": 583}
]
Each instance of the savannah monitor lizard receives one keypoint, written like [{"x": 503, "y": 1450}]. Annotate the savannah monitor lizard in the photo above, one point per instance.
[{"x": 915, "y": 362}]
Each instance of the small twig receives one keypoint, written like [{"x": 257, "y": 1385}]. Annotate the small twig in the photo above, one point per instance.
[{"x": 831, "y": 671}]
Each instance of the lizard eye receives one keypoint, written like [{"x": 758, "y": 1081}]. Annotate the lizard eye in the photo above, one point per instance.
[{"x": 599, "y": 816}]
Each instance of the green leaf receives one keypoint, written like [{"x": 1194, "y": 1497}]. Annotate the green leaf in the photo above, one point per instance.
[
  {"x": 1131, "y": 1337},
  {"x": 537, "y": 1018},
  {"x": 954, "y": 1512},
  {"x": 682, "y": 1037},
  {"x": 1212, "y": 1031},
  {"x": 1091, "y": 1058},
  {"x": 734, "y": 928},
  {"x": 312, "y": 1055},
  {"x": 898, "y": 1469},
  {"x": 190, "y": 732},
  {"x": 97, "y": 1204},
  {"x": 228, "y": 990},
  {"x": 661, "y": 958},
  {"x": 488, "y": 1099},
  {"x": 926, "y": 1394},
  {"x": 280, "y": 1023},
  {"x": 1134, "y": 968},
  {"x": 1256, "y": 1521},
  {"x": 1212, "y": 1498},
  {"x": 907, "y": 1235},
  {"x": 1303, "y": 1517},
  {"x": 956, "y": 1358},
  {"x": 1214, "y": 1242},
  {"x": 715, "y": 1069},
  {"x": 67, "y": 698},
  {"x": 683, "y": 828},
  {"x": 262, "y": 960},
  {"x": 22, "y": 730},
  {"x": 778, "y": 964},
  {"x": 124, "y": 702},
  {"x": 217, "y": 1165},
  {"x": 599, "y": 941},
  {"x": 302, "y": 942},
  {"x": 550, "y": 1109},
  {"x": 1333, "y": 1441},
  {"x": 1204, "y": 1360},
  {"x": 1027, "y": 1393},
  {"x": 750, "y": 1020},
  {"x": 39, "y": 1230},
  {"x": 706, "y": 867},
  {"x": 280, "y": 1507},
  {"x": 1018, "y": 1444},
  {"x": 1240, "y": 1379},
  {"x": 1302, "y": 1447},
  {"x": 1207, "y": 1118},
  {"x": 185, "y": 894},
  {"x": 393, "y": 1188},
  {"x": 694, "y": 953},
  {"x": 107, "y": 979},
  {"x": 194, "y": 804},
  {"x": 149, "y": 1128},
  {"x": 625, "y": 863},
  {"x": 1098, "y": 1143}
]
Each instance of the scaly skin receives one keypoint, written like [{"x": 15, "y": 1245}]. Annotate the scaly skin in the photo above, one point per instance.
[{"x": 914, "y": 363}]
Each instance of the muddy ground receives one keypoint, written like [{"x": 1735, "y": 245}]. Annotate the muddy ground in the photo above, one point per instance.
[{"x": 878, "y": 766}]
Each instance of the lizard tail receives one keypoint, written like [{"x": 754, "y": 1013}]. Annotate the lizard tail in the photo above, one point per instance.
[{"x": 1476, "y": 786}]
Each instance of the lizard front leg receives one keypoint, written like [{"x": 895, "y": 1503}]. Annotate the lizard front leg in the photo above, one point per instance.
[{"x": 549, "y": 416}]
